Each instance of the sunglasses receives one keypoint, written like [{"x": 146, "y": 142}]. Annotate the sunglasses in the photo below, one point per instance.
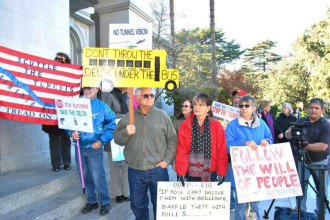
[
  {"x": 59, "y": 59},
  {"x": 88, "y": 88},
  {"x": 148, "y": 95},
  {"x": 245, "y": 106},
  {"x": 185, "y": 106}
]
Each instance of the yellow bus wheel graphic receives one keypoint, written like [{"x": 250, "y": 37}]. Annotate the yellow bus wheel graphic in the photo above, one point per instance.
[{"x": 170, "y": 85}]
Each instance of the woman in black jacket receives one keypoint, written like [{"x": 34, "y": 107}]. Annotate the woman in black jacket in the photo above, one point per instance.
[{"x": 283, "y": 123}]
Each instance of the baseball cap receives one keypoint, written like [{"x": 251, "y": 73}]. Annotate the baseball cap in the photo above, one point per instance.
[{"x": 240, "y": 91}]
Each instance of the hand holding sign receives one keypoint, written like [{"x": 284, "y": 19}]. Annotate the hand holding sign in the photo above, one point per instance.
[
  {"x": 251, "y": 144},
  {"x": 75, "y": 135},
  {"x": 264, "y": 143},
  {"x": 220, "y": 180},
  {"x": 130, "y": 129},
  {"x": 181, "y": 179}
]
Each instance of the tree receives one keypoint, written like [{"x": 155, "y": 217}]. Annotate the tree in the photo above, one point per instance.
[
  {"x": 173, "y": 33},
  {"x": 230, "y": 81},
  {"x": 304, "y": 74},
  {"x": 160, "y": 14},
  {"x": 161, "y": 25},
  {"x": 261, "y": 57},
  {"x": 194, "y": 61},
  {"x": 312, "y": 48},
  {"x": 214, "y": 64}
]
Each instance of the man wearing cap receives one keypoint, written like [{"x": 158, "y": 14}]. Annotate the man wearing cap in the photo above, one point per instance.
[
  {"x": 91, "y": 152},
  {"x": 237, "y": 94}
]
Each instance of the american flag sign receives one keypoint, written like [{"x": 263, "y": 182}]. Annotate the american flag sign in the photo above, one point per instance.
[{"x": 30, "y": 84}]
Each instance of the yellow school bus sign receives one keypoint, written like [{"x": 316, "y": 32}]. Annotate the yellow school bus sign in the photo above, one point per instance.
[{"x": 128, "y": 68}]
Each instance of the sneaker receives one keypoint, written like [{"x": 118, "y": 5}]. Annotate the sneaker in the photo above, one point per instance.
[
  {"x": 120, "y": 199},
  {"x": 127, "y": 199},
  {"x": 67, "y": 167},
  {"x": 89, "y": 207},
  {"x": 56, "y": 169},
  {"x": 105, "y": 209}
]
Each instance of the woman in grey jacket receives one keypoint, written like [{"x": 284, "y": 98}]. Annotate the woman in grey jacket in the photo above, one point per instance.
[{"x": 119, "y": 103}]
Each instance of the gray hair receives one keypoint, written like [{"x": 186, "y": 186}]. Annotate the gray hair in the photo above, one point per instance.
[
  {"x": 138, "y": 91},
  {"x": 248, "y": 99},
  {"x": 286, "y": 104}
]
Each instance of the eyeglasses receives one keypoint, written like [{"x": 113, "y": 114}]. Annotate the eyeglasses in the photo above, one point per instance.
[
  {"x": 185, "y": 106},
  {"x": 245, "y": 106},
  {"x": 148, "y": 95},
  {"x": 198, "y": 105}
]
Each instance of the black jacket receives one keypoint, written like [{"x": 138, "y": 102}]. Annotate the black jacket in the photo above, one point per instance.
[{"x": 282, "y": 124}]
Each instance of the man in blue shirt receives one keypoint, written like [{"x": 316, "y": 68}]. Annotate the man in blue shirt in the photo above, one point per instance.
[{"x": 92, "y": 153}]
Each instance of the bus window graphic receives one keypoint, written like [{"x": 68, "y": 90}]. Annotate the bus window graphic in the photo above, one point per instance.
[{"x": 128, "y": 68}]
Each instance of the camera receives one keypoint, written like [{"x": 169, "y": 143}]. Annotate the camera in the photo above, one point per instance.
[{"x": 299, "y": 133}]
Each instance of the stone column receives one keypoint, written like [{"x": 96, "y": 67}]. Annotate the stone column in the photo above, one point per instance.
[{"x": 116, "y": 12}]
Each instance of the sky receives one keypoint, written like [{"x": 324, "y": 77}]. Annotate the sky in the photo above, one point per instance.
[{"x": 249, "y": 22}]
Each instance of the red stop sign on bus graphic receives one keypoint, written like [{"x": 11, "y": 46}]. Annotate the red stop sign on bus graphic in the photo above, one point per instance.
[{"x": 59, "y": 103}]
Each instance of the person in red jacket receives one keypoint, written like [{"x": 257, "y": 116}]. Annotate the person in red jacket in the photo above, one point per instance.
[{"x": 201, "y": 148}]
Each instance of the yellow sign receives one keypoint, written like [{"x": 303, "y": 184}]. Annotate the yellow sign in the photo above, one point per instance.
[{"x": 127, "y": 68}]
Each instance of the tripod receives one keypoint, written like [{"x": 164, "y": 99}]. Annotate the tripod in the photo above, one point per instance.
[{"x": 320, "y": 186}]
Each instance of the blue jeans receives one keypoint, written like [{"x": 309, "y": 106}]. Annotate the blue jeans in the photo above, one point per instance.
[
  {"x": 139, "y": 183},
  {"x": 307, "y": 176},
  {"x": 94, "y": 175},
  {"x": 240, "y": 208},
  {"x": 232, "y": 191}
]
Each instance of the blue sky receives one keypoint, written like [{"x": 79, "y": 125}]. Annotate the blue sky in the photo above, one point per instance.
[{"x": 251, "y": 21}]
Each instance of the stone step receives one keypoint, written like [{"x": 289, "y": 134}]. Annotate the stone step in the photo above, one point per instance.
[
  {"x": 36, "y": 192},
  {"x": 24, "y": 186},
  {"x": 66, "y": 205}
]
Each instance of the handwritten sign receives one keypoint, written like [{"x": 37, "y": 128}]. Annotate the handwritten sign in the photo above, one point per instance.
[
  {"x": 130, "y": 36},
  {"x": 196, "y": 200},
  {"x": 108, "y": 67},
  {"x": 268, "y": 173},
  {"x": 30, "y": 84},
  {"x": 224, "y": 113},
  {"x": 74, "y": 114}
]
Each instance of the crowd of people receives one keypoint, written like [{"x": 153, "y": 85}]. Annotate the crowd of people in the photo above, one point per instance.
[{"x": 194, "y": 143}]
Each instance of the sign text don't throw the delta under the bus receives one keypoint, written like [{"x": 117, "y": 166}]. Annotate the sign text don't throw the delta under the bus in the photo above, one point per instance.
[{"x": 128, "y": 68}]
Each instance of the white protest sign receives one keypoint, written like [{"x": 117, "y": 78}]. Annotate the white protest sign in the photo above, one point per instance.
[
  {"x": 194, "y": 201},
  {"x": 224, "y": 113},
  {"x": 117, "y": 151},
  {"x": 74, "y": 114},
  {"x": 130, "y": 36},
  {"x": 268, "y": 173}
]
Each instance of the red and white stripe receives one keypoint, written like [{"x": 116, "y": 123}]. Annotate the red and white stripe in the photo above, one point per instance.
[{"x": 15, "y": 102}]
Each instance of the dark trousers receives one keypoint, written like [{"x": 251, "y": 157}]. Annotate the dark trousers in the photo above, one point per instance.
[
  {"x": 140, "y": 182},
  {"x": 60, "y": 149}
]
